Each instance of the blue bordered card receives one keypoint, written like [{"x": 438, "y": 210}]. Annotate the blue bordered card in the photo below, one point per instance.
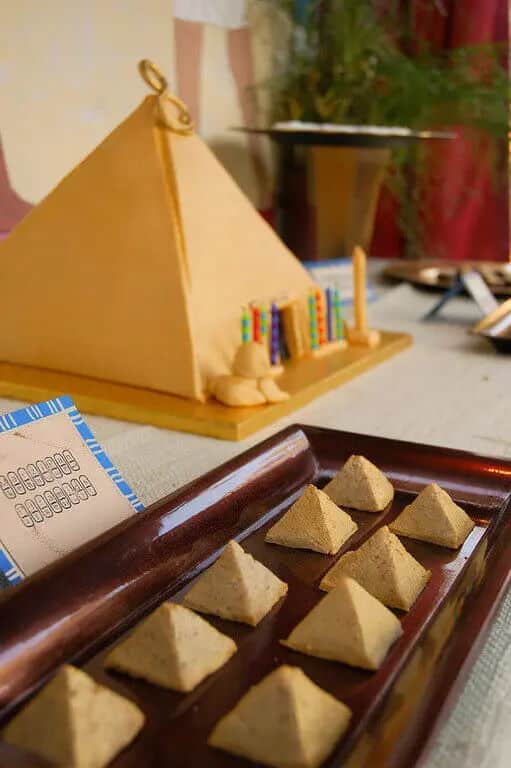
[{"x": 58, "y": 487}]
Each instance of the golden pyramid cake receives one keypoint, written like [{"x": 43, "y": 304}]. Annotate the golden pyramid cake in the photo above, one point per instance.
[
  {"x": 347, "y": 625},
  {"x": 313, "y": 522},
  {"x": 285, "y": 721},
  {"x": 434, "y": 517},
  {"x": 143, "y": 239},
  {"x": 173, "y": 648},
  {"x": 75, "y": 723},
  {"x": 384, "y": 568},
  {"x": 236, "y": 587},
  {"x": 360, "y": 485}
]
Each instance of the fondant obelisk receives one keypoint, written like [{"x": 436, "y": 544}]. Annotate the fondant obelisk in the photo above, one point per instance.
[{"x": 360, "y": 333}]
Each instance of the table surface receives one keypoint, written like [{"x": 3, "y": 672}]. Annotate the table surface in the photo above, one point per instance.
[{"x": 450, "y": 389}]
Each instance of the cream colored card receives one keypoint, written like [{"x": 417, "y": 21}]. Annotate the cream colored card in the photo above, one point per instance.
[{"x": 58, "y": 488}]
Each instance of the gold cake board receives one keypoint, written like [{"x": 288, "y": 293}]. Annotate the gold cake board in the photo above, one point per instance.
[{"x": 304, "y": 380}]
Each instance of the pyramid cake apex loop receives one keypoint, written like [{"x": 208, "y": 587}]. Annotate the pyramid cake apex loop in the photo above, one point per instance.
[{"x": 152, "y": 75}]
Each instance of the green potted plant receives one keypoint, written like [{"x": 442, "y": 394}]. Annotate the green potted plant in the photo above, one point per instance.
[{"x": 345, "y": 63}]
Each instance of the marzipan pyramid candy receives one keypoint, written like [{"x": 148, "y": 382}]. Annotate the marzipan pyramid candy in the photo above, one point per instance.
[
  {"x": 347, "y": 625},
  {"x": 360, "y": 485},
  {"x": 236, "y": 587},
  {"x": 284, "y": 721},
  {"x": 144, "y": 239},
  {"x": 434, "y": 517},
  {"x": 173, "y": 648},
  {"x": 75, "y": 723},
  {"x": 384, "y": 568},
  {"x": 313, "y": 522}
]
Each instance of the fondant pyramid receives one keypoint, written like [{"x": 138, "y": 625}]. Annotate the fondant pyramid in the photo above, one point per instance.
[
  {"x": 433, "y": 516},
  {"x": 75, "y": 723},
  {"x": 284, "y": 721},
  {"x": 173, "y": 648},
  {"x": 361, "y": 485},
  {"x": 347, "y": 625},
  {"x": 384, "y": 568},
  {"x": 313, "y": 522},
  {"x": 134, "y": 268},
  {"x": 236, "y": 587}
]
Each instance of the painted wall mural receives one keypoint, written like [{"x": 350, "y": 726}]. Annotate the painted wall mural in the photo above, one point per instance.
[{"x": 68, "y": 77}]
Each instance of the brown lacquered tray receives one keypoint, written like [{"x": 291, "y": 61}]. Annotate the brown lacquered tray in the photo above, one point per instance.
[{"x": 76, "y": 608}]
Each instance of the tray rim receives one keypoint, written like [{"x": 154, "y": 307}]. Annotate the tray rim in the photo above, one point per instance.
[{"x": 357, "y": 139}]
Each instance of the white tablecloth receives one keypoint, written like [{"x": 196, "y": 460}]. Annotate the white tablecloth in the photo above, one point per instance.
[{"x": 449, "y": 389}]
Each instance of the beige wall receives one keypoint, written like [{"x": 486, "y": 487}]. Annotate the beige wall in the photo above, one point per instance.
[{"x": 68, "y": 76}]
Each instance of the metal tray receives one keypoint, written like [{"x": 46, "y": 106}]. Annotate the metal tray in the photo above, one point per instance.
[
  {"x": 77, "y": 607},
  {"x": 441, "y": 275},
  {"x": 362, "y": 137}
]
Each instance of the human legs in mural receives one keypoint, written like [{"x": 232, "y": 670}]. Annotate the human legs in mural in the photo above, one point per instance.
[
  {"x": 190, "y": 16},
  {"x": 188, "y": 46},
  {"x": 240, "y": 59}
]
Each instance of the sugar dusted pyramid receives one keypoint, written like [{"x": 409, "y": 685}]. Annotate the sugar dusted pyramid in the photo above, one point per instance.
[
  {"x": 75, "y": 723},
  {"x": 285, "y": 721},
  {"x": 384, "y": 568},
  {"x": 313, "y": 522},
  {"x": 360, "y": 485},
  {"x": 434, "y": 517},
  {"x": 347, "y": 625},
  {"x": 236, "y": 587},
  {"x": 173, "y": 648}
]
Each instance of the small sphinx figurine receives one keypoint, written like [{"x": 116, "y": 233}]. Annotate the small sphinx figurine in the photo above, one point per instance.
[{"x": 251, "y": 381}]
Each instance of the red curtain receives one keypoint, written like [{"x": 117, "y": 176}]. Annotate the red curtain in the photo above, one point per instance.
[{"x": 467, "y": 211}]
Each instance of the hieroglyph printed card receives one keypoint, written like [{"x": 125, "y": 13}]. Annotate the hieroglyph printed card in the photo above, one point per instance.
[{"x": 58, "y": 488}]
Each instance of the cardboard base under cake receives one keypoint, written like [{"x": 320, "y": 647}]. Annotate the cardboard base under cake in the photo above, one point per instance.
[{"x": 304, "y": 380}]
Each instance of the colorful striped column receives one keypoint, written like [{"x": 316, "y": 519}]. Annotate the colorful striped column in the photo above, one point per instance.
[
  {"x": 256, "y": 324},
  {"x": 245, "y": 325},
  {"x": 313, "y": 322},
  {"x": 339, "y": 326},
  {"x": 275, "y": 335},
  {"x": 264, "y": 324},
  {"x": 329, "y": 314},
  {"x": 320, "y": 318}
]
